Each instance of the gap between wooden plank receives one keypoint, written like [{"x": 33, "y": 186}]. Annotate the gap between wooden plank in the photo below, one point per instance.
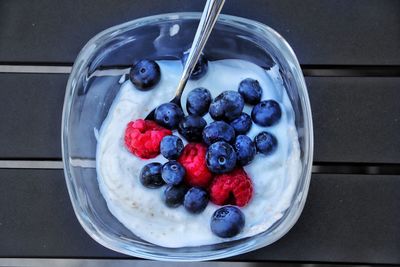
[
  {"x": 61, "y": 262},
  {"x": 350, "y": 71},
  {"x": 31, "y": 164},
  {"x": 318, "y": 168},
  {"x": 308, "y": 70},
  {"x": 35, "y": 69}
]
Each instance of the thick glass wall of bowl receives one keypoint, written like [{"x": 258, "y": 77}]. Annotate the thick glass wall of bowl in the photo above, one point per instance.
[{"x": 95, "y": 94}]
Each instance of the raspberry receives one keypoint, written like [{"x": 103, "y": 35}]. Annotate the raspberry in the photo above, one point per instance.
[
  {"x": 193, "y": 158},
  {"x": 143, "y": 138},
  {"x": 233, "y": 188}
]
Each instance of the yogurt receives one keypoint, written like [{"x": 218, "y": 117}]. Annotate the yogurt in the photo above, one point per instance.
[{"x": 143, "y": 211}]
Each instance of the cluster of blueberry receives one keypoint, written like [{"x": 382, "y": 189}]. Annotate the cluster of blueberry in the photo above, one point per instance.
[
  {"x": 210, "y": 166},
  {"x": 172, "y": 173}
]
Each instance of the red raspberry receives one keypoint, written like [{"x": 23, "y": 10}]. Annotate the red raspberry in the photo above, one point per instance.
[
  {"x": 143, "y": 138},
  {"x": 193, "y": 158},
  {"x": 233, "y": 188}
]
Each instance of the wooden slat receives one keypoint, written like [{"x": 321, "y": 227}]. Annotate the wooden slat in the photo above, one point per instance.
[
  {"x": 347, "y": 218},
  {"x": 355, "y": 119},
  {"x": 30, "y": 115},
  {"x": 37, "y": 219},
  {"x": 321, "y": 32}
]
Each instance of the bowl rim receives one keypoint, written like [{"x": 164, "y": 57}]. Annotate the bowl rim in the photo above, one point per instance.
[{"x": 235, "y": 21}]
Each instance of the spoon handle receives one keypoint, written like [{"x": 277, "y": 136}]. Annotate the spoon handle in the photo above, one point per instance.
[{"x": 206, "y": 24}]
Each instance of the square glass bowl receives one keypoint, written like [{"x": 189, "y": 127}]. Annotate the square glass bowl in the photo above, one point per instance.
[{"x": 89, "y": 97}]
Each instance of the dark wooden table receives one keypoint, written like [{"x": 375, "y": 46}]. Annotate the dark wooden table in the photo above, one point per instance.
[{"x": 350, "y": 54}]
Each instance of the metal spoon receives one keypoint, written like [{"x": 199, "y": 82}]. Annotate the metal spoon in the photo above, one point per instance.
[{"x": 206, "y": 24}]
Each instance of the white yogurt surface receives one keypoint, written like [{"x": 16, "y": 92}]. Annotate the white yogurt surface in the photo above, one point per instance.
[{"x": 143, "y": 211}]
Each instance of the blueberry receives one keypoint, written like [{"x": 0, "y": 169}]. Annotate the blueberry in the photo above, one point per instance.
[
  {"x": 150, "y": 175},
  {"x": 198, "y": 101},
  {"x": 171, "y": 147},
  {"x": 242, "y": 124},
  {"x": 266, "y": 113},
  {"x": 227, "y": 106},
  {"x": 191, "y": 127},
  {"x": 218, "y": 131},
  {"x": 174, "y": 194},
  {"x": 196, "y": 200},
  {"x": 145, "y": 74},
  {"x": 266, "y": 143},
  {"x": 201, "y": 67},
  {"x": 245, "y": 149},
  {"x": 173, "y": 172},
  {"x": 168, "y": 115},
  {"x": 227, "y": 221},
  {"x": 220, "y": 157},
  {"x": 250, "y": 90}
]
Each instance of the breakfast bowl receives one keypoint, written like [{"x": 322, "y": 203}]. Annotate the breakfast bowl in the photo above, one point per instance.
[{"x": 98, "y": 75}]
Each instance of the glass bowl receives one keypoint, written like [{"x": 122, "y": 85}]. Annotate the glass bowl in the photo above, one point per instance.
[{"x": 89, "y": 97}]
